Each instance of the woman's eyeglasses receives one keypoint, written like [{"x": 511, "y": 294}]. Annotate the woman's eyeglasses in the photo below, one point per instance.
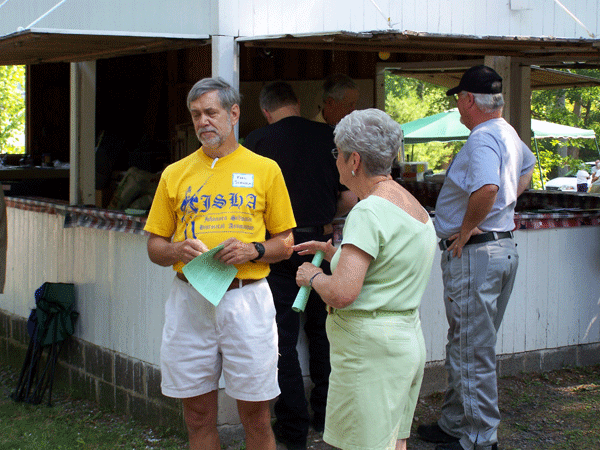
[{"x": 334, "y": 152}]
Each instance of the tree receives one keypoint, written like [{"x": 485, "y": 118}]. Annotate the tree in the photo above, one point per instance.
[
  {"x": 578, "y": 107},
  {"x": 12, "y": 107},
  {"x": 408, "y": 99}
]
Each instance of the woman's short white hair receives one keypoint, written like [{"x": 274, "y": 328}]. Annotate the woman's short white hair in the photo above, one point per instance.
[{"x": 374, "y": 135}]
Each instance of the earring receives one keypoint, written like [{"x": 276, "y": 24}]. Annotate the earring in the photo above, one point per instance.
[{"x": 353, "y": 174}]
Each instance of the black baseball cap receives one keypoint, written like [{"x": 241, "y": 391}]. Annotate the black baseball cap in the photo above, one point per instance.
[{"x": 479, "y": 80}]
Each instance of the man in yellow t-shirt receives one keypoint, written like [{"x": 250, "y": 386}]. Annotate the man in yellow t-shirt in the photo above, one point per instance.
[{"x": 221, "y": 194}]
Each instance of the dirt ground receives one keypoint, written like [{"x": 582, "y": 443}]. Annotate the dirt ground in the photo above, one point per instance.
[
  {"x": 554, "y": 410},
  {"x": 557, "y": 410}
]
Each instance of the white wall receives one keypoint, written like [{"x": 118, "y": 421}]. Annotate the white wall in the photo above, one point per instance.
[
  {"x": 272, "y": 17},
  {"x": 465, "y": 17},
  {"x": 190, "y": 17},
  {"x": 120, "y": 293},
  {"x": 555, "y": 300}
]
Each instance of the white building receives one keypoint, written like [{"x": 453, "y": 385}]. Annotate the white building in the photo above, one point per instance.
[{"x": 96, "y": 64}]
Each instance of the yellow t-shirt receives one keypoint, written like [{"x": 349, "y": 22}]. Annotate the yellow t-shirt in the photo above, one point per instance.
[{"x": 241, "y": 195}]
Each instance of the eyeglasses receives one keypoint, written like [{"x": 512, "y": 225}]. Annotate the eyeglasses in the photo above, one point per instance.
[{"x": 335, "y": 152}]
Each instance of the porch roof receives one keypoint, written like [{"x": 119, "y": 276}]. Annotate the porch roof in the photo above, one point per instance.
[{"x": 34, "y": 46}]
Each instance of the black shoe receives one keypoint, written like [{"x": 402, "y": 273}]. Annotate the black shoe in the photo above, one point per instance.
[
  {"x": 457, "y": 446},
  {"x": 290, "y": 444},
  {"x": 433, "y": 433}
]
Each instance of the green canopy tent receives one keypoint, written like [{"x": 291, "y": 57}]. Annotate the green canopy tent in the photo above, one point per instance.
[{"x": 446, "y": 127}]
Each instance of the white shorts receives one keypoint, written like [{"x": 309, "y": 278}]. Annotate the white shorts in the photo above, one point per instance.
[{"x": 237, "y": 338}]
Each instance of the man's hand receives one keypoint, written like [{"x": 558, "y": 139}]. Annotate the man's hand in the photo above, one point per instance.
[
  {"x": 189, "y": 249},
  {"x": 479, "y": 206},
  {"x": 236, "y": 252},
  {"x": 459, "y": 240},
  {"x": 166, "y": 253}
]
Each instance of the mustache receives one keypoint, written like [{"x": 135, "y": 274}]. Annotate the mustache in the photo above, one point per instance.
[{"x": 205, "y": 129}]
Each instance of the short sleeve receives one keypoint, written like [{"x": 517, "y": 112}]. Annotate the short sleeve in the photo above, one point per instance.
[
  {"x": 528, "y": 160},
  {"x": 362, "y": 230},
  {"x": 484, "y": 167},
  {"x": 161, "y": 218},
  {"x": 279, "y": 215}
]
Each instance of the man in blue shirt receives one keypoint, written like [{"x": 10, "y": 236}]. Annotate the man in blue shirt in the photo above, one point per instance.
[{"x": 474, "y": 218}]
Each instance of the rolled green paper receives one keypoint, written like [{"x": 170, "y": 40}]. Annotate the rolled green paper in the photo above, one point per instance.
[{"x": 302, "y": 296}]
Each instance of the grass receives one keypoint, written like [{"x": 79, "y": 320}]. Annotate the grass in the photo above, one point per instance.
[{"x": 72, "y": 424}]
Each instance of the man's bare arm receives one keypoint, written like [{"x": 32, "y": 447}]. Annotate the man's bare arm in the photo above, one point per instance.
[
  {"x": 277, "y": 248},
  {"x": 524, "y": 182}
]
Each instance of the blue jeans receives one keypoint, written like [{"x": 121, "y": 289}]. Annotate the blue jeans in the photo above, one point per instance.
[{"x": 477, "y": 287}]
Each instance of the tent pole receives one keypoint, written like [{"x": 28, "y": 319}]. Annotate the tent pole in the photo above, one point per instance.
[
  {"x": 539, "y": 164},
  {"x": 597, "y": 148}
]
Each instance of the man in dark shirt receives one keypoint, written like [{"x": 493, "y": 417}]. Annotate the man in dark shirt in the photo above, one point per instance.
[{"x": 302, "y": 148}]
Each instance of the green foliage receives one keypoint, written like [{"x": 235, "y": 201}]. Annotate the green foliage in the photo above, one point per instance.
[
  {"x": 12, "y": 108},
  {"x": 408, "y": 99},
  {"x": 549, "y": 161},
  {"x": 577, "y": 107}
]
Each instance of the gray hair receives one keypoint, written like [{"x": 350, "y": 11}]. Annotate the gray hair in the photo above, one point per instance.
[
  {"x": 227, "y": 94},
  {"x": 374, "y": 135},
  {"x": 276, "y": 95},
  {"x": 489, "y": 103},
  {"x": 336, "y": 85}
]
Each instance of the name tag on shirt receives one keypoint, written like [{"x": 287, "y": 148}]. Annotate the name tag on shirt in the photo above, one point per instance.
[{"x": 244, "y": 180}]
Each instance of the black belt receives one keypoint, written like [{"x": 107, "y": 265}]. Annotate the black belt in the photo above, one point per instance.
[
  {"x": 479, "y": 238},
  {"x": 319, "y": 229}
]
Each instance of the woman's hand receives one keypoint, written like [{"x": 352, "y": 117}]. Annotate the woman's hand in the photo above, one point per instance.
[
  {"x": 305, "y": 272},
  {"x": 312, "y": 247}
]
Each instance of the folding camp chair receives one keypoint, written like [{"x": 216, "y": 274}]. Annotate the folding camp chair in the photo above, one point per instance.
[{"x": 49, "y": 325}]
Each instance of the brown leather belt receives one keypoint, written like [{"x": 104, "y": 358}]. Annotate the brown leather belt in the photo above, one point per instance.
[{"x": 235, "y": 284}]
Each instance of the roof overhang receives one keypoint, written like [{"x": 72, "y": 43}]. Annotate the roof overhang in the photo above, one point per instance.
[
  {"x": 34, "y": 46},
  {"x": 442, "y": 59},
  {"x": 541, "y": 51},
  {"x": 541, "y": 78}
]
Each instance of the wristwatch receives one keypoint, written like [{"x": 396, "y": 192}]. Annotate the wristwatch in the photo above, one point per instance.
[{"x": 260, "y": 249}]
